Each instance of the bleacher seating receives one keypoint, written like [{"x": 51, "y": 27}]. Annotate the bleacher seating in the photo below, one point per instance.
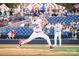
[
  {"x": 21, "y": 32},
  {"x": 66, "y": 19},
  {"x": 17, "y": 18},
  {"x": 25, "y": 32}
]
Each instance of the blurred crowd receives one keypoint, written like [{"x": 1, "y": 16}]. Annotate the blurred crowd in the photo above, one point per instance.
[
  {"x": 13, "y": 17},
  {"x": 73, "y": 28}
]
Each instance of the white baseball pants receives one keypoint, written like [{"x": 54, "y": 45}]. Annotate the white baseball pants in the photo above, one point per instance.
[
  {"x": 36, "y": 35},
  {"x": 57, "y": 35}
]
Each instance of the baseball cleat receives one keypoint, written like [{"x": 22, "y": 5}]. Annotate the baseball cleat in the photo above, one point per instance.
[{"x": 18, "y": 46}]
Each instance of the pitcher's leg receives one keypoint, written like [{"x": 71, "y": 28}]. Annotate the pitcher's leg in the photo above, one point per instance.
[
  {"x": 43, "y": 35},
  {"x": 33, "y": 36}
]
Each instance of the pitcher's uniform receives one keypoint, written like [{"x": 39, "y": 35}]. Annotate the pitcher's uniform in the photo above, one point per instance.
[{"x": 37, "y": 27}]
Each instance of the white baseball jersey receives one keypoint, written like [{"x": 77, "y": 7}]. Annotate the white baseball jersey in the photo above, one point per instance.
[
  {"x": 58, "y": 28},
  {"x": 37, "y": 27}
]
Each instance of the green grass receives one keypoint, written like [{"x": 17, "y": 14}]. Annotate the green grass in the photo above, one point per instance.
[{"x": 76, "y": 49}]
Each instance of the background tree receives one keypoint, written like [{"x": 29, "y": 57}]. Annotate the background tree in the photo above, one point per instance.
[{"x": 11, "y": 5}]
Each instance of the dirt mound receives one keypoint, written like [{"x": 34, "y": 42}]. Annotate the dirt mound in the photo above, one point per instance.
[{"x": 39, "y": 52}]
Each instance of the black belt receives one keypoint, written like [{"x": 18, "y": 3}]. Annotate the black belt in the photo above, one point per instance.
[{"x": 38, "y": 31}]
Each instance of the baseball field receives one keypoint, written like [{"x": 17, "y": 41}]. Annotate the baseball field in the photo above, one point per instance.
[{"x": 38, "y": 50}]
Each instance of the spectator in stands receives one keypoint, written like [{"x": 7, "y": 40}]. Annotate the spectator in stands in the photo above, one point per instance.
[
  {"x": 65, "y": 12},
  {"x": 48, "y": 13},
  {"x": 0, "y": 34},
  {"x": 48, "y": 28},
  {"x": 78, "y": 33},
  {"x": 9, "y": 23},
  {"x": 19, "y": 17},
  {"x": 6, "y": 20},
  {"x": 60, "y": 13},
  {"x": 26, "y": 12},
  {"x": 36, "y": 10},
  {"x": 76, "y": 12},
  {"x": 69, "y": 13},
  {"x": 22, "y": 25},
  {"x": 56, "y": 13},
  {"x": 7, "y": 13},
  {"x": 0, "y": 12},
  {"x": 66, "y": 29},
  {"x": 11, "y": 34},
  {"x": 11, "y": 11},
  {"x": 74, "y": 31}
]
